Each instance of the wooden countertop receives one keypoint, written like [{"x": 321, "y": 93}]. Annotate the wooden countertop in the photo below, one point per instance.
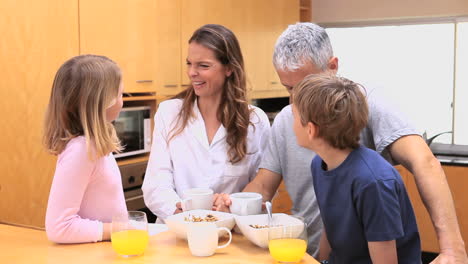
[{"x": 23, "y": 245}]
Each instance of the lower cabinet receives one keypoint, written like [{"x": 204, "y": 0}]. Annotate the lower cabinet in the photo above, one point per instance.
[{"x": 457, "y": 177}]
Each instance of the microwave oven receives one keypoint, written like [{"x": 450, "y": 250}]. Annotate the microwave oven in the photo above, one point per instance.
[{"x": 133, "y": 127}]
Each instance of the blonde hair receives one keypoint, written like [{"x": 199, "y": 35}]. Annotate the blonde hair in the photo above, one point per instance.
[
  {"x": 336, "y": 105},
  {"x": 233, "y": 112},
  {"x": 83, "y": 89}
]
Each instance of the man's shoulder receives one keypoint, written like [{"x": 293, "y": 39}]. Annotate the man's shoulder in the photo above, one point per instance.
[{"x": 284, "y": 116}]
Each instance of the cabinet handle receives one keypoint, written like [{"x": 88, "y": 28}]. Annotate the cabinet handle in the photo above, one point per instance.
[
  {"x": 274, "y": 82},
  {"x": 185, "y": 85},
  {"x": 144, "y": 81},
  {"x": 170, "y": 85}
]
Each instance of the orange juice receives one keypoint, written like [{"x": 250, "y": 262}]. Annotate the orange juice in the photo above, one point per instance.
[
  {"x": 130, "y": 242},
  {"x": 287, "y": 249}
]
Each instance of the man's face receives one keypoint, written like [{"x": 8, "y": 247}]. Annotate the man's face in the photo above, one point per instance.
[
  {"x": 299, "y": 129},
  {"x": 290, "y": 78}
]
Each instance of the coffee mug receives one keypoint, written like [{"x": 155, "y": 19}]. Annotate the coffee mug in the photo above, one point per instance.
[
  {"x": 197, "y": 198},
  {"x": 246, "y": 203},
  {"x": 203, "y": 238}
]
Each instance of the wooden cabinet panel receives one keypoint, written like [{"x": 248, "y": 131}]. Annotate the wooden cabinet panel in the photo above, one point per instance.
[
  {"x": 271, "y": 17},
  {"x": 196, "y": 13},
  {"x": 457, "y": 177},
  {"x": 36, "y": 39},
  {"x": 168, "y": 78},
  {"x": 125, "y": 31},
  {"x": 282, "y": 203},
  {"x": 257, "y": 24}
]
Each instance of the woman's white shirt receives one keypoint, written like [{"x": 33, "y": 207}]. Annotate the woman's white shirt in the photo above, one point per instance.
[{"x": 189, "y": 161}]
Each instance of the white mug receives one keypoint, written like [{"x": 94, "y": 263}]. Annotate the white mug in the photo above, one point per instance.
[
  {"x": 197, "y": 198},
  {"x": 203, "y": 238},
  {"x": 246, "y": 203}
]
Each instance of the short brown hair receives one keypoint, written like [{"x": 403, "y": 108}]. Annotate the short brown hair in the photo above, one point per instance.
[
  {"x": 83, "y": 88},
  {"x": 336, "y": 105}
]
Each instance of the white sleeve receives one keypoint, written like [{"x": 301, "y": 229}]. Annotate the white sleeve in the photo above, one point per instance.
[
  {"x": 158, "y": 187},
  {"x": 262, "y": 136}
]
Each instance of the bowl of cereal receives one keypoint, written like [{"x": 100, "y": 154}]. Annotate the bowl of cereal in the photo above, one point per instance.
[
  {"x": 255, "y": 227},
  {"x": 178, "y": 223}
]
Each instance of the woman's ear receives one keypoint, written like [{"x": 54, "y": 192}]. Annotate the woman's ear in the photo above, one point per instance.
[{"x": 228, "y": 71}]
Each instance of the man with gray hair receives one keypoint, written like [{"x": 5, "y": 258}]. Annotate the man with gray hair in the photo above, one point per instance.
[{"x": 303, "y": 49}]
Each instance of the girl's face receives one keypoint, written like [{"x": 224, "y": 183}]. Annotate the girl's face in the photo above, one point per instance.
[
  {"x": 206, "y": 73},
  {"x": 112, "y": 112}
]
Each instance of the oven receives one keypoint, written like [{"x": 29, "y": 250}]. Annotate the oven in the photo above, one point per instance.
[{"x": 133, "y": 175}]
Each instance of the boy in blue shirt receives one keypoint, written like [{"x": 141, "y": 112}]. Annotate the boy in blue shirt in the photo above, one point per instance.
[{"x": 365, "y": 209}]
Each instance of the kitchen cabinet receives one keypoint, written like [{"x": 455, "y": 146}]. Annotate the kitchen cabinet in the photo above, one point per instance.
[
  {"x": 281, "y": 202},
  {"x": 36, "y": 39},
  {"x": 270, "y": 18},
  {"x": 196, "y": 13},
  {"x": 168, "y": 60},
  {"x": 457, "y": 177},
  {"x": 256, "y": 24},
  {"x": 124, "y": 31}
]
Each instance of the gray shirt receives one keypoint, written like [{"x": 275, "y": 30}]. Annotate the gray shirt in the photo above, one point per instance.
[{"x": 285, "y": 157}]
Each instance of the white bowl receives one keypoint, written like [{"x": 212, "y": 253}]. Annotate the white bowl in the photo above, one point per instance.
[
  {"x": 177, "y": 223},
  {"x": 259, "y": 236}
]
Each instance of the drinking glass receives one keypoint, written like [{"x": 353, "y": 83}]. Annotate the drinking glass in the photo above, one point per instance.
[
  {"x": 129, "y": 233},
  {"x": 287, "y": 240}
]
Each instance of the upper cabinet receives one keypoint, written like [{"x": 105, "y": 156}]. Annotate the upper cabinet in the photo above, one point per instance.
[
  {"x": 168, "y": 60},
  {"x": 257, "y": 24},
  {"x": 268, "y": 18},
  {"x": 196, "y": 13},
  {"x": 124, "y": 31}
]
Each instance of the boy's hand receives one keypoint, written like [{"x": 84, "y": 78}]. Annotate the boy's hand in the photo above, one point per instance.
[{"x": 221, "y": 202}]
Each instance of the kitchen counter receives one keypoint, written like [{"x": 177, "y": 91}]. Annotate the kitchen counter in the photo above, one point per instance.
[
  {"x": 450, "y": 154},
  {"x": 23, "y": 245}
]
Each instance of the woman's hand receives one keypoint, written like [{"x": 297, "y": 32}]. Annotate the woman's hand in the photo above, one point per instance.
[
  {"x": 221, "y": 202},
  {"x": 178, "y": 208}
]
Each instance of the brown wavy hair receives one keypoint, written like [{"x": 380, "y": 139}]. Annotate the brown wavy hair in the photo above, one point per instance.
[
  {"x": 83, "y": 88},
  {"x": 336, "y": 105},
  {"x": 233, "y": 111}
]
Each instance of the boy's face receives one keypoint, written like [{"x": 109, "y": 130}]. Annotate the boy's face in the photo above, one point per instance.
[{"x": 302, "y": 135}]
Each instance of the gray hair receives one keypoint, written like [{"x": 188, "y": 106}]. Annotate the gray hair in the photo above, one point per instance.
[{"x": 301, "y": 43}]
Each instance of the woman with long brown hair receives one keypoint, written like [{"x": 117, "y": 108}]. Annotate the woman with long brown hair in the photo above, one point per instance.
[{"x": 208, "y": 136}]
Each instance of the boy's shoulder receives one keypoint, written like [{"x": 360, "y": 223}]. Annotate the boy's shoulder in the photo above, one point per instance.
[{"x": 371, "y": 166}]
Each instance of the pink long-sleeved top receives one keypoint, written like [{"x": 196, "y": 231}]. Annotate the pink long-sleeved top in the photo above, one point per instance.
[{"x": 84, "y": 195}]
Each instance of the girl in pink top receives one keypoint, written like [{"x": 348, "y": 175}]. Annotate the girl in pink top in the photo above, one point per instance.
[{"x": 87, "y": 187}]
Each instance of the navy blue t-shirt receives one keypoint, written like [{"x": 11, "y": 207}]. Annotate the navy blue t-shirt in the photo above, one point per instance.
[{"x": 364, "y": 200}]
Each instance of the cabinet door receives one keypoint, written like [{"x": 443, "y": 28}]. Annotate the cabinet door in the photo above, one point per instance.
[
  {"x": 457, "y": 178},
  {"x": 168, "y": 47},
  {"x": 125, "y": 32},
  {"x": 273, "y": 17},
  {"x": 196, "y": 13},
  {"x": 36, "y": 39},
  {"x": 285, "y": 12}
]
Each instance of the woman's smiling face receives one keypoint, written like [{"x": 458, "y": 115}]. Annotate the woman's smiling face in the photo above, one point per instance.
[{"x": 207, "y": 74}]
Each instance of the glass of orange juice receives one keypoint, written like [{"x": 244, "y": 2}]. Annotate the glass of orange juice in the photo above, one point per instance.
[
  {"x": 287, "y": 242},
  {"x": 129, "y": 235}
]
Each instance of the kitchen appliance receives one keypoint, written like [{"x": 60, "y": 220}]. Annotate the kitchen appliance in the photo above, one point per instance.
[
  {"x": 133, "y": 127},
  {"x": 133, "y": 175}
]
